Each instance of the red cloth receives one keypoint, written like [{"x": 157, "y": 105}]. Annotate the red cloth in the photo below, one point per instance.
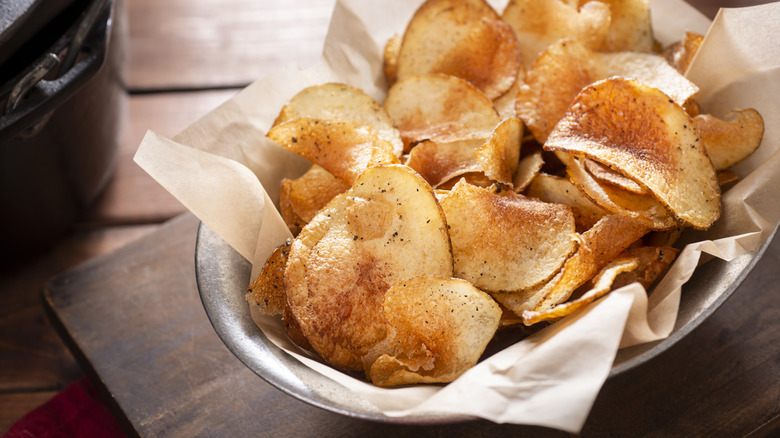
[{"x": 75, "y": 412}]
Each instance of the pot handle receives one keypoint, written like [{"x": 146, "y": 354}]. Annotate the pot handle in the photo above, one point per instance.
[{"x": 51, "y": 61}]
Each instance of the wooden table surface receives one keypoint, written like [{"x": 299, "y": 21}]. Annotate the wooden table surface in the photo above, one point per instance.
[{"x": 187, "y": 56}]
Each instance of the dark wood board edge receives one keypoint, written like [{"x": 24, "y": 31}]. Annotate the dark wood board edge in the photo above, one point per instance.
[
  {"x": 89, "y": 371},
  {"x": 49, "y": 308}
]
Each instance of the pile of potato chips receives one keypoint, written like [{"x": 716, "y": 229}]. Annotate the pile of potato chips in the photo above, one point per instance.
[{"x": 522, "y": 165}]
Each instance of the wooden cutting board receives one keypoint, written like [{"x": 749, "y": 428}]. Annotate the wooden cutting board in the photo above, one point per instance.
[{"x": 135, "y": 322}]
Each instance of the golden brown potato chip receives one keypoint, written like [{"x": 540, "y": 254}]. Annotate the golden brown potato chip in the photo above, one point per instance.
[
  {"x": 433, "y": 19},
  {"x": 437, "y": 329},
  {"x": 630, "y": 27},
  {"x": 598, "y": 246},
  {"x": 505, "y": 241},
  {"x": 477, "y": 179},
  {"x": 604, "y": 174},
  {"x": 521, "y": 301},
  {"x": 342, "y": 147},
  {"x": 663, "y": 238},
  {"x": 727, "y": 178},
  {"x": 558, "y": 190},
  {"x": 312, "y": 190},
  {"x": 505, "y": 104},
  {"x": 528, "y": 168},
  {"x": 640, "y": 132},
  {"x": 267, "y": 291},
  {"x": 440, "y": 108},
  {"x": 442, "y": 162},
  {"x": 487, "y": 56},
  {"x": 386, "y": 229},
  {"x": 681, "y": 54},
  {"x": 466, "y": 39},
  {"x": 733, "y": 139},
  {"x": 294, "y": 331},
  {"x": 540, "y": 23},
  {"x": 334, "y": 101},
  {"x": 652, "y": 263},
  {"x": 291, "y": 219},
  {"x": 390, "y": 56},
  {"x": 647, "y": 68},
  {"x": 568, "y": 66},
  {"x": 500, "y": 155},
  {"x": 642, "y": 208},
  {"x": 602, "y": 284}
]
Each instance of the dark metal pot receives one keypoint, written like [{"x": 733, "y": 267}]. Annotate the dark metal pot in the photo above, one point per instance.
[{"x": 62, "y": 104}]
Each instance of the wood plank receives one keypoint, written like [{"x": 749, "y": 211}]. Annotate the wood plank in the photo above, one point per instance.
[
  {"x": 132, "y": 196},
  {"x": 171, "y": 374},
  {"x": 14, "y": 406},
  {"x": 32, "y": 355},
  {"x": 216, "y": 43}
]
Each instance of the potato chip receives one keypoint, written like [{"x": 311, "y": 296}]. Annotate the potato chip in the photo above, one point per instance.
[
  {"x": 477, "y": 179},
  {"x": 334, "y": 101},
  {"x": 505, "y": 104},
  {"x": 602, "y": 284},
  {"x": 604, "y": 174},
  {"x": 652, "y": 262},
  {"x": 343, "y": 148},
  {"x": 663, "y": 238},
  {"x": 291, "y": 219},
  {"x": 487, "y": 56},
  {"x": 386, "y": 229},
  {"x": 680, "y": 55},
  {"x": 505, "y": 241},
  {"x": 528, "y": 168},
  {"x": 731, "y": 140},
  {"x": 598, "y": 246},
  {"x": 466, "y": 39},
  {"x": 647, "y": 68},
  {"x": 440, "y": 108},
  {"x": 500, "y": 155},
  {"x": 727, "y": 178},
  {"x": 558, "y": 190},
  {"x": 267, "y": 291},
  {"x": 442, "y": 162},
  {"x": 437, "y": 329},
  {"x": 540, "y": 23},
  {"x": 630, "y": 27},
  {"x": 640, "y": 132},
  {"x": 521, "y": 301},
  {"x": 568, "y": 66},
  {"x": 642, "y": 208},
  {"x": 312, "y": 190},
  {"x": 294, "y": 331},
  {"x": 390, "y": 56}
]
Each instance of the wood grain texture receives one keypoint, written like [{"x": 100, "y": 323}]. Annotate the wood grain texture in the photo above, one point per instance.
[
  {"x": 33, "y": 358},
  {"x": 178, "y": 44},
  {"x": 14, "y": 406},
  {"x": 172, "y": 375},
  {"x": 132, "y": 196}
]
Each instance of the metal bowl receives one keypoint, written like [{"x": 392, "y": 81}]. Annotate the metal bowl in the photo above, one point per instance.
[{"x": 223, "y": 275}]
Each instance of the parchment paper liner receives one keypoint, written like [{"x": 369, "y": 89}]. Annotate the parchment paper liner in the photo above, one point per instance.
[{"x": 224, "y": 170}]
